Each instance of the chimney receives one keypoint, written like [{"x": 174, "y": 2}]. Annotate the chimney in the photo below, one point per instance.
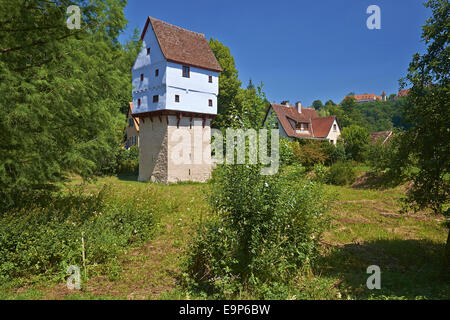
[{"x": 298, "y": 105}]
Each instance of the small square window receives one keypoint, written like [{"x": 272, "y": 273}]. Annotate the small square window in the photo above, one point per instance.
[
  {"x": 210, "y": 79},
  {"x": 210, "y": 102},
  {"x": 156, "y": 72},
  {"x": 148, "y": 50},
  {"x": 155, "y": 98},
  {"x": 139, "y": 102},
  {"x": 142, "y": 77},
  {"x": 186, "y": 72},
  {"x": 177, "y": 98}
]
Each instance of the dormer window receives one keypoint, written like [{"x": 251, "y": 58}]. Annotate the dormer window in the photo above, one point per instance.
[
  {"x": 210, "y": 79},
  {"x": 302, "y": 126},
  {"x": 142, "y": 77},
  {"x": 186, "y": 72},
  {"x": 148, "y": 51},
  {"x": 156, "y": 72},
  {"x": 155, "y": 99}
]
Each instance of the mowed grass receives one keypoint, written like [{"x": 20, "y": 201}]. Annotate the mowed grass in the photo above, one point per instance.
[{"x": 366, "y": 229}]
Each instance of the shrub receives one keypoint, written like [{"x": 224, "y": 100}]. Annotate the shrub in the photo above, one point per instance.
[
  {"x": 47, "y": 239},
  {"x": 286, "y": 152},
  {"x": 320, "y": 173},
  {"x": 342, "y": 173},
  {"x": 128, "y": 160},
  {"x": 262, "y": 230},
  {"x": 356, "y": 142},
  {"x": 308, "y": 153}
]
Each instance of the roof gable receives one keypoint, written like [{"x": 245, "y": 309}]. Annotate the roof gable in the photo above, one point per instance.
[
  {"x": 320, "y": 126},
  {"x": 183, "y": 46}
]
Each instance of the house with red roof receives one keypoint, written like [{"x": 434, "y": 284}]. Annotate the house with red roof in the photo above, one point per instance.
[
  {"x": 132, "y": 129},
  {"x": 297, "y": 122}
]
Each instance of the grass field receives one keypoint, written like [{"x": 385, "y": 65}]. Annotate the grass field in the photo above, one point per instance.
[{"x": 366, "y": 229}]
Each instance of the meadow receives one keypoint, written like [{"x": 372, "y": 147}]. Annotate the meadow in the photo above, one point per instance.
[{"x": 366, "y": 229}]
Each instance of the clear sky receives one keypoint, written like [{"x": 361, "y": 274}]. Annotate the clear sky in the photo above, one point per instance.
[{"x": 302, "y": 50}]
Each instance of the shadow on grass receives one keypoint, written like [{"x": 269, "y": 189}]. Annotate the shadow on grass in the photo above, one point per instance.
[
  {"x": 410, "y": 269},
  {"x": 377, "y": 181},
  {"x": 128, "y": 177}
]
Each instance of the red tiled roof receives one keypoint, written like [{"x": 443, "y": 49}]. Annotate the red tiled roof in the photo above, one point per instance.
[
  {"x": 183, "y": 46},
  {"x": 370, "y": 96},
  {"x": 403, "y": 93},
  {"x": 322, "y": 126},
  {"x": 288, "y": 116}
]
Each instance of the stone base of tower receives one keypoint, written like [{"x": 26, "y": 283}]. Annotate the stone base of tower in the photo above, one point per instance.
[{"x": 174, "y": 148}]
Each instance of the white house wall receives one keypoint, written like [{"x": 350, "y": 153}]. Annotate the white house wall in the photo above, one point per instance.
[{"x": 195, "y": 91}]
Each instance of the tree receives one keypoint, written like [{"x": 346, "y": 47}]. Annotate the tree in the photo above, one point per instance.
[
  {"x": 251, "y": 106},
  {"x": 356, "y": 140},
  {"x": 61, "y": 92},
  {"x": 229, "y": 84},
  {"x": 428, "y": 138},
  {"x": 317, "y": 104},
  {"x": 330, "y": 103}
]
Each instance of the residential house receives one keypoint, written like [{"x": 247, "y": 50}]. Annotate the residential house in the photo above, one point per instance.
[
  {"x": 175, "y": 86},
  {"x": 132, "y": 129},
  {"x": 297, "y": 122}
]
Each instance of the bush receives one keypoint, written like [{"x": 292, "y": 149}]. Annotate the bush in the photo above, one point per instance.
[
  {"x": 356, "y": 142},
  {"x": 128, "y": 160},
  {"x": 262, "y": 230},
  {"x": 308, "y": 153},
  {"x": 286, "y": 152},
  {"x": 47, "y": 239},
  {"x": 342, "y": 173}
]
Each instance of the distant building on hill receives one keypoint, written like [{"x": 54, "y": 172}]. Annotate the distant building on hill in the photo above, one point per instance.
[{"x": 369, "y": 97}]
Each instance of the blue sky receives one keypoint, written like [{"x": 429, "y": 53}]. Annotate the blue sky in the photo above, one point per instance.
[{"x": 302, "y": 50}]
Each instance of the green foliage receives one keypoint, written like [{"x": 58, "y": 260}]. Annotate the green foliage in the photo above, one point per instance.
[
  {"x": 263, "y": 230},
  {"x": 128, "y": 160},
  {"x": 427, "y": 141},
  {"x": 229, "y": 84},
  {"x": 45, "y": 237},
  {"x": 309, "y": 153},
  {"x": 317, "y": 104},
  {"x": 356, "y": 140},
  {"x": 342, "y": 173},
  {"x": 61, "y": 91},
  {"x": 286, "y": 152}
]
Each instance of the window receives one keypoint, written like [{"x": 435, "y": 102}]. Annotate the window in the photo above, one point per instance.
[
  {"x": 133, "y": 140},
  {"x": 210, "y": 102},
  {"x": 177, "y": 98},
  {"x": 210, "y": 79},
  {"x": 186, "y": 72},
  {"x": 156, "y": 72},
  {"x": 334, "y": 127},
  {"x": 142, "y": 77},
  {"x": 301, "y": 126},
  {"x": 139, "y": 102},
  {"x": 130, "y": 122},
  {"x": 155, "y": 98},
  {"x": 148, "y": 50}
]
